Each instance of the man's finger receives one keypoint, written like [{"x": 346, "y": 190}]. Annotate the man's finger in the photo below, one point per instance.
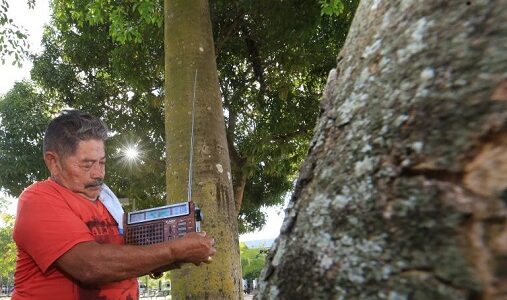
[{"x": 209, "y": 260}]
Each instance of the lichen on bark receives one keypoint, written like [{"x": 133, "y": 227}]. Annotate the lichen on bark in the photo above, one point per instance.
[{"x": 402, "y": 194}]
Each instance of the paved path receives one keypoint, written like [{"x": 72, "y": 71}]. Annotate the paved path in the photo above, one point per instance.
[{"x": 248, "y": 297}]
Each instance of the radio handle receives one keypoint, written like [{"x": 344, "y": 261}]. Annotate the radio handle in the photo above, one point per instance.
[{"x": 199, "y": 216}]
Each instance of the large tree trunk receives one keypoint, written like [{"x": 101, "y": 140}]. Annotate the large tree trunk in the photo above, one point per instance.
[
  {"x": 403, "y": 194},
  {"x": 189, "y": 47}
]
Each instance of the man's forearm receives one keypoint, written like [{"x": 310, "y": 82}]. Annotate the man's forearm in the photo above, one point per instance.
[{"x": 92, "y": 263}]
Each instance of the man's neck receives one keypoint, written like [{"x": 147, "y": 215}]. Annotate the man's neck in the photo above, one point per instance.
[{"x": 56, "y": 180}]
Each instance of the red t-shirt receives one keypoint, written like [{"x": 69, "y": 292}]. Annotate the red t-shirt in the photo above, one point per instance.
[{"x": 50, "y": 221}]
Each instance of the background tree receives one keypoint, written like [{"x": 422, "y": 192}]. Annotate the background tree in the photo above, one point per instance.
[
  {"x": 7, "y": 246},
  {"x": 24, "y": 114},
  {"x": 271, "y": 56},
  {"x": 107, "y": 58},
  {"x": 402, "y": 195},
  {"x": 252, "y": 261}
]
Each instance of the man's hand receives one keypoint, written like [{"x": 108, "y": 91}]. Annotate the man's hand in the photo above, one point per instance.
[{"x": 195, "y": 247}]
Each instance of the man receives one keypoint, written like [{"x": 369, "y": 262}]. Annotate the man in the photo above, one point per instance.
[{"x": 69, "y": 245}]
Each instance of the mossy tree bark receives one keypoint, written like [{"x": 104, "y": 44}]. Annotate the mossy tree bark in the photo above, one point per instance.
[
  {"x": 403, "y": 194},
  {"x": 189, "y": 48}
]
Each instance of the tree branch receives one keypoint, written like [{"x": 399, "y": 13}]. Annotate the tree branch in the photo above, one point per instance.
[{"x": 228, "y": 33}]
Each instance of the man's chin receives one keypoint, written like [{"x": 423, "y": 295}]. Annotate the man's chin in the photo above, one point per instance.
[{"x": 93, "y": 193}]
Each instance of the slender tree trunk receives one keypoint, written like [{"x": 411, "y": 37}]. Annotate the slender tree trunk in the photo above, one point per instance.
[
  {"x": 239, "y": 189},
  {"x": 238, "y": 177},
  {"x": 403, "y": 194},
  {"x": 189, "y": 48}
]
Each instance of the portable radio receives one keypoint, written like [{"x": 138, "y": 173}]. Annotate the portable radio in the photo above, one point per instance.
[{"x": 163, "y": 223}]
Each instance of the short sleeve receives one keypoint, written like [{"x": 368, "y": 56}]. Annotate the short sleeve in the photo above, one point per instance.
[{"x": 46, "y": 227}]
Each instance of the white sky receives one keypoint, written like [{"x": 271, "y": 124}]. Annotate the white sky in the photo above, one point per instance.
[
  {"x": 272, "y": 228},
  {"x": 33, "y": 20}
]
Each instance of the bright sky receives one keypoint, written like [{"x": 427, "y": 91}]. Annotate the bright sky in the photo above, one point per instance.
[
  {"x": 33, "y": 20},
  {"x": 272, "y": 228}
]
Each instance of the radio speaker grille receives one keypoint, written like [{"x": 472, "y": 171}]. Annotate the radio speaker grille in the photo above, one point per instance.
[{"x": 145, "y": 234}]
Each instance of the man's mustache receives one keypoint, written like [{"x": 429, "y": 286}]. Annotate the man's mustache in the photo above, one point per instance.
[{"x": 94, "y": 184}]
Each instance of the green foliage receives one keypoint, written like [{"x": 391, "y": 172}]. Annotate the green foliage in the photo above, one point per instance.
[
  {"x": 7, "y": 245},
  {"x": 331, "y": 7},
  {"x": 273, "y": 58},
  {"x": 24, "y": 114},
  {"x": 153, "y": 284},
  {"x": 13, "y": 39},
  {"x": 128, "y": 22},
  {"x": 252, "y": 261},
  {"x": 106, "y": 57}
]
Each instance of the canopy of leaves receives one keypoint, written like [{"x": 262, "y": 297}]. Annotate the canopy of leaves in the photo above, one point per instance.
[
  {"x": 106, "y": 57},
  {"x": 273, "y": 58},
  {"x": 24, "y": 113}
]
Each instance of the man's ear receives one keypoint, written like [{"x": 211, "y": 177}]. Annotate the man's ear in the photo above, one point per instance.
[{"x": 52, "y": 162}]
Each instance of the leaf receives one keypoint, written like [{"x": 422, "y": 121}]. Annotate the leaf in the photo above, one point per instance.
[{"x": 331, "y": 7}]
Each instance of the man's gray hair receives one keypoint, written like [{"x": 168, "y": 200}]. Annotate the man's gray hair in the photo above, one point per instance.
[{"x": 64, "y": 132}]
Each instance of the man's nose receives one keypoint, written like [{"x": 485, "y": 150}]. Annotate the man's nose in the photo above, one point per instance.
[{"x": 98, "y": 171}]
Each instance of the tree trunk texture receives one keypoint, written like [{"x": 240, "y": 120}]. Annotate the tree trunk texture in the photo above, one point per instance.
[
  {"x": 404, "y": 192},
  {"x": 239, "y": 179},
  {"x": 189, "y": 47}
]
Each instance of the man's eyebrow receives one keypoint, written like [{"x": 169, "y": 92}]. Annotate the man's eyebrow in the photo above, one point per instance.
[{"x": 93, "y": 160}]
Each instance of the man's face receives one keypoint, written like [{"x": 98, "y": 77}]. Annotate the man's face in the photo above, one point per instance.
[{"x": 83, "y": 171}]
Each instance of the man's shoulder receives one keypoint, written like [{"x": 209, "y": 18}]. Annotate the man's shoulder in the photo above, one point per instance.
[
  {"x": 38, "y": 186},
  {"x": 40, "y": 189}
]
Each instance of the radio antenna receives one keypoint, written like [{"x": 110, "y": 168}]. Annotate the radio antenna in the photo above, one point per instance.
[{"x": 192, "y": 142}]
